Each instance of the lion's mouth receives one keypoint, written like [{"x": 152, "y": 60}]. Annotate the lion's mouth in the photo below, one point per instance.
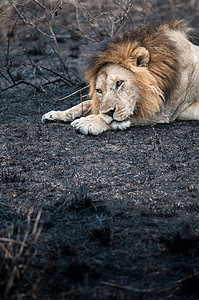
[
  {"x": 127, "y": 119},
  {"x": 109, "y": 119},
  {"x": 120, "y": 121}
]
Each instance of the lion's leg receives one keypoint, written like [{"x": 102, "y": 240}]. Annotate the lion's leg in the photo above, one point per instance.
[
  {"x": 190, "y": 113},
  {"x": 82, "y": 109}
]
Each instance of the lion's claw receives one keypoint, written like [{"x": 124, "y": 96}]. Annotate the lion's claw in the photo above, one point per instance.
[{"x": 48, "y": 116}]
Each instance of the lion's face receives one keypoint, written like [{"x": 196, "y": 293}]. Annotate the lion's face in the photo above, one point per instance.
[{"x": 117, "y": 93}]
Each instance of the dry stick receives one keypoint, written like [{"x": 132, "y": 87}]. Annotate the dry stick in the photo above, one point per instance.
[
  {"x": 95, "y": 20},
  {"x": 83, "y": 34},
  {"x": 8, "y": 43},
  {"x": 25, "y": 237},
  {"x": 36, "y": 233},
  {"x": 41, "y": 5},
  {"x": 88, "y": 18},
  {"x": 19, "y": 12},
  {"x": 157, "y": 290},
  {"x": 102, "y": 26},
  {"x": 53, "y": 37},
  {"x": 64, "y": 79},
  {"x": 74, "y": 93},
  {"x": 57, "y": 46},
  {"x": 18, "y": 83},
  {"x": 10, "y": 240},
  {"x": 11, "y": 281},
  {"x": 5, "y": 77},
  {"x": 34, "y": 66},
  {"x": 15, "y": 272},
  {"x": 69, "y": 80},
  {"x": 58, "y": 51},
  {"x": 52, "y": 82},
  {"x": 111, "y": 15},
  {"x": 56, "y": 7},
  {"x": 126, "y": 12},
  {"x": 29, "y": 22},
  {"x": 44, "y": 7},
  {"x": 8, "y": 254},
  {"x": 77, "y": 16},
  {"x": 36, "y": 222},
  {"x": 86, "y": 14},
  {"x": 71, "y": 292},
  {"x": 40, "y": 88},
  {"x": 77, "y": 28}
]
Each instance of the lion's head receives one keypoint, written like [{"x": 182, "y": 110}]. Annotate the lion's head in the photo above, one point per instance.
[
  {"x": 121, "y": 93},
  {"x": 135, "y": 72}
]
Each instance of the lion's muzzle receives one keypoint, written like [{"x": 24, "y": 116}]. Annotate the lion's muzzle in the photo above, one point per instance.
[{"x": 110, "y": 112}]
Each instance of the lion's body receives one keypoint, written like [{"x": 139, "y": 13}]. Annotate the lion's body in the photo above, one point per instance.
[{"x": 147, "y": 75}]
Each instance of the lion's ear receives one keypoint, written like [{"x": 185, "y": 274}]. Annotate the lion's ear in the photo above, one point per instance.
[{"x": 142, "y": 56}]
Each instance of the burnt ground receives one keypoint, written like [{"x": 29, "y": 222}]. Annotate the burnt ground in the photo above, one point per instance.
[{"x": 119, "y": 212}]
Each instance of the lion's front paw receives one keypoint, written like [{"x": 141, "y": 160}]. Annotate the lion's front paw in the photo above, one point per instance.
[
  {"x": 64, "y": 116},
  {"x": 50, "y": 116},
  {"x": 93, "y": 124}
]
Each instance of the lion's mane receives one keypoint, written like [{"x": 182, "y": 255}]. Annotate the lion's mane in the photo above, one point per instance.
[{"x": 161, "y": 71}]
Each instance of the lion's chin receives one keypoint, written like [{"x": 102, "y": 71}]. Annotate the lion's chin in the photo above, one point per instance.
[
  {"x": 109, "y": 119},
  {"x": 122, "y": 119}
]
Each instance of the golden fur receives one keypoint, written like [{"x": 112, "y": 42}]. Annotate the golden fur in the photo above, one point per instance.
[
  {"x": 162, "y": 65},
  {"x": 155, "y": 63}
]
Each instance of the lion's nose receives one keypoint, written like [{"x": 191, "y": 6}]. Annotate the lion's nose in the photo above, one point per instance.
[{"x": 110, "y": 112}]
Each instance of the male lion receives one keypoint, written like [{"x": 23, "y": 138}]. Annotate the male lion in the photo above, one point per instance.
[{"x": 146, "y": 75}]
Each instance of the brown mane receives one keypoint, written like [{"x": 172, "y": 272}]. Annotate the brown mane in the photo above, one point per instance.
[{"x": 162, "y": 67}]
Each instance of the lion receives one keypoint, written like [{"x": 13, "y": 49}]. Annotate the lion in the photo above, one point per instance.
[{"x": 144, "y": 76}]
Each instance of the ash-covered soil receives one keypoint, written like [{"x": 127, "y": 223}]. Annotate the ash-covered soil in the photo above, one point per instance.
[{"x": 119, "y": 212}]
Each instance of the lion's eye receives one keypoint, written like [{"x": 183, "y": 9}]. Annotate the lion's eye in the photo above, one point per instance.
[
  {"x": 99, "y": 91},
  {"x": 119, "y": 83}
]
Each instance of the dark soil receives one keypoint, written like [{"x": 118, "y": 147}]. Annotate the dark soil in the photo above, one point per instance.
[{"x": 120, "y": 211}]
